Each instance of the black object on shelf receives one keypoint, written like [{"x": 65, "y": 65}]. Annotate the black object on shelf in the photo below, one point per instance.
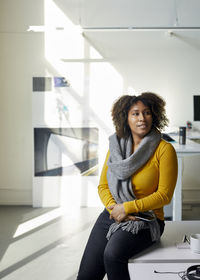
[{"x": 167, "y": 137}]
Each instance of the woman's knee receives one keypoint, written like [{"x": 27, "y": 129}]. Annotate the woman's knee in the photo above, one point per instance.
[{"x": 113, "y": 255}]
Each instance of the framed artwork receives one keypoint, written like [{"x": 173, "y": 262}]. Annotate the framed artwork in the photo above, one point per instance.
[
  {"x": 66, "y": 151},
  {"x": 42, "y": 83},
  {"x": 60, "y": 82},
  {"x": 196, "y": 103}
]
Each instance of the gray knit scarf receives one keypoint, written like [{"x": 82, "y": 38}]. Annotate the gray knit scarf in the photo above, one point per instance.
[{"x": 122, "y": 164}]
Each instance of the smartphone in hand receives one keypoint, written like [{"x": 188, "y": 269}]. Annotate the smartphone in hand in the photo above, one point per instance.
[{"x": 146, "y": 216}]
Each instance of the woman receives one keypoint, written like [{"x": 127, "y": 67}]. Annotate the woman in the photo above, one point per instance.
[{"x": 139, "y": 175}]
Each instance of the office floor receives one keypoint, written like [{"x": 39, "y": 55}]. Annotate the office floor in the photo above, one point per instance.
[{"x": 43, "y": 243}]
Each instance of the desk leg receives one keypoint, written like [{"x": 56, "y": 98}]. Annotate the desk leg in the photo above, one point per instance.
[{"x": 177, "y": 199}]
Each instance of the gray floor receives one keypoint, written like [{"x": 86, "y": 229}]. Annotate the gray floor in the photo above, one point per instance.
[{"x": 43, "y": 243}]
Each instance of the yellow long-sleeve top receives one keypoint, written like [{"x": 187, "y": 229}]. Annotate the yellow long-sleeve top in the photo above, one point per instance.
[{"x": 153, "y": 184}]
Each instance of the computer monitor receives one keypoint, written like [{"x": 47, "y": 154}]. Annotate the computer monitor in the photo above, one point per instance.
[{"x": 196, "y": 102}]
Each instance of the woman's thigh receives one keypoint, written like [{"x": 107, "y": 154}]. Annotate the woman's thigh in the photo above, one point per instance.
[
  {"x": 120, "y": 248},
  {"x": 124, "y": 245}
]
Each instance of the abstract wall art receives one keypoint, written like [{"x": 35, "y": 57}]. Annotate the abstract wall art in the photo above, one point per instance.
[{"x": 66, "y": 151}]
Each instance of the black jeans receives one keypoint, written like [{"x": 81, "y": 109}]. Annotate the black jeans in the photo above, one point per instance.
[{"x": 102, "y": 256}]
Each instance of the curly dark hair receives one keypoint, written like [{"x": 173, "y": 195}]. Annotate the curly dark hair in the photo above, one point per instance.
[{"x": 123, "y": 104}]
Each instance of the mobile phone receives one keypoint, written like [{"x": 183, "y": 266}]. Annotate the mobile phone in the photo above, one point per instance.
[{"x": 148, "y": 217}]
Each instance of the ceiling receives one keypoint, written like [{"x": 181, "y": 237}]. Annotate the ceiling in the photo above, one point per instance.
[{"x": 132, "y": 13}]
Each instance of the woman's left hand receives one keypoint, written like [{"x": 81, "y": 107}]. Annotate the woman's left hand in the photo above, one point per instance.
[{"x": 118, "y": 213}]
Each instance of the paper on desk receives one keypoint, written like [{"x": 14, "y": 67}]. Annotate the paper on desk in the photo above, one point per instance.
[{"x": 182, "y": 245}]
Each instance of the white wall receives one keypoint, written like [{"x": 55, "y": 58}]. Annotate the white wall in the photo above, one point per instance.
[
  {"x": 143, "y": 60},
  {"x": 21, "y": 55}
]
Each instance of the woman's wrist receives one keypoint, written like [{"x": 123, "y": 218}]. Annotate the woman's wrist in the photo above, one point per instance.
[{"x": 129, "y": 207}]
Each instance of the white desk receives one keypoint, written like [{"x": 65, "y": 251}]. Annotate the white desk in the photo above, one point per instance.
[
  {"x": 191, "y": 148},
  {"x": 164, "y": 256}
]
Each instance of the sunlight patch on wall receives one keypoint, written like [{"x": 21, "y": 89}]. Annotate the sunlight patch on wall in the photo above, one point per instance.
[
  {"x": 92, "y": 85},
  {"x": 62, "y": 37}
]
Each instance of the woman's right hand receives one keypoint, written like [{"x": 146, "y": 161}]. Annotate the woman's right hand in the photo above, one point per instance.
[
  {"x": 117, "y": 212},
  {"x": 130, "y": 218}
]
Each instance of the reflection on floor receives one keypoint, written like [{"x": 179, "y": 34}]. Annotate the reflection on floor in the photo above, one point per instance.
[{"x": 43, "y": 243}]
